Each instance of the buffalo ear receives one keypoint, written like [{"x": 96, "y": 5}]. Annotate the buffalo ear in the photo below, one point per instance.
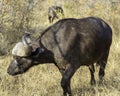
[
  {"x": 38, "y": 51},
  {"x": 41, "y": 50}
]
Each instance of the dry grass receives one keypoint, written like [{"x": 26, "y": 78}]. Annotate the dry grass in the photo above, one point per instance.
[{"x": 44, "y": 80}]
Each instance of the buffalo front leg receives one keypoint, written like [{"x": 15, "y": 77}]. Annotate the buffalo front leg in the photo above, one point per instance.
[
  {"x": 92, "y": 71},
  {"x": 66, "y": 77}
]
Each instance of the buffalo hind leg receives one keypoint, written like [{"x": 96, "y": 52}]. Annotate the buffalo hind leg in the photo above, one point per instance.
[
  {"x": 65, "y": 82},
  {"x": 92, "y": 71},
  {"x": 102, "y": 62}
]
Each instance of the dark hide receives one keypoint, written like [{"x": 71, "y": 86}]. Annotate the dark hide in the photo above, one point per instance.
[{"x": 71, "y": 43}]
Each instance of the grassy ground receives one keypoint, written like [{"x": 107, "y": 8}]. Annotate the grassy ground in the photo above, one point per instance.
[{"x": 44, "y": 80}]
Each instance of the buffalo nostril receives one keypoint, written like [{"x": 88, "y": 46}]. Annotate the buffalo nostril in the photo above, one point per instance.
[{"x": 7, "y": 71}]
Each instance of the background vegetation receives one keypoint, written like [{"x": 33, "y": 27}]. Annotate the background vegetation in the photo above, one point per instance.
[{"x": 17, "y": 16}]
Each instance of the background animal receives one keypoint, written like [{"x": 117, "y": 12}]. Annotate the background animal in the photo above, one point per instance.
[
  {"x": 69, "y": 44},
  {"x": 53, "y": 12}
]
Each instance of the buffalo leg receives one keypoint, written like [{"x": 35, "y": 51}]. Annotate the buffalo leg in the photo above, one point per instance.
[
  {"x": 62, "y": 70},
  {"x": 92, "y": 71},
  {"x": 102, "y": 63},
  {"x": 65, "y": 82}
]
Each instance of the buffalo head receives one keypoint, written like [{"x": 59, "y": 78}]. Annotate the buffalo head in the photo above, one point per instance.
[{"x": 24, "y": 56}]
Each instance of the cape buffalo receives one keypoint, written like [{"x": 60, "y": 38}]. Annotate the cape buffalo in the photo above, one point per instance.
[{"x": 69, "y": 44}]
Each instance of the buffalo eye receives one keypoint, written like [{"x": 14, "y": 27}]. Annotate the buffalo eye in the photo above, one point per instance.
[{"x": 17, "y": 58}]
